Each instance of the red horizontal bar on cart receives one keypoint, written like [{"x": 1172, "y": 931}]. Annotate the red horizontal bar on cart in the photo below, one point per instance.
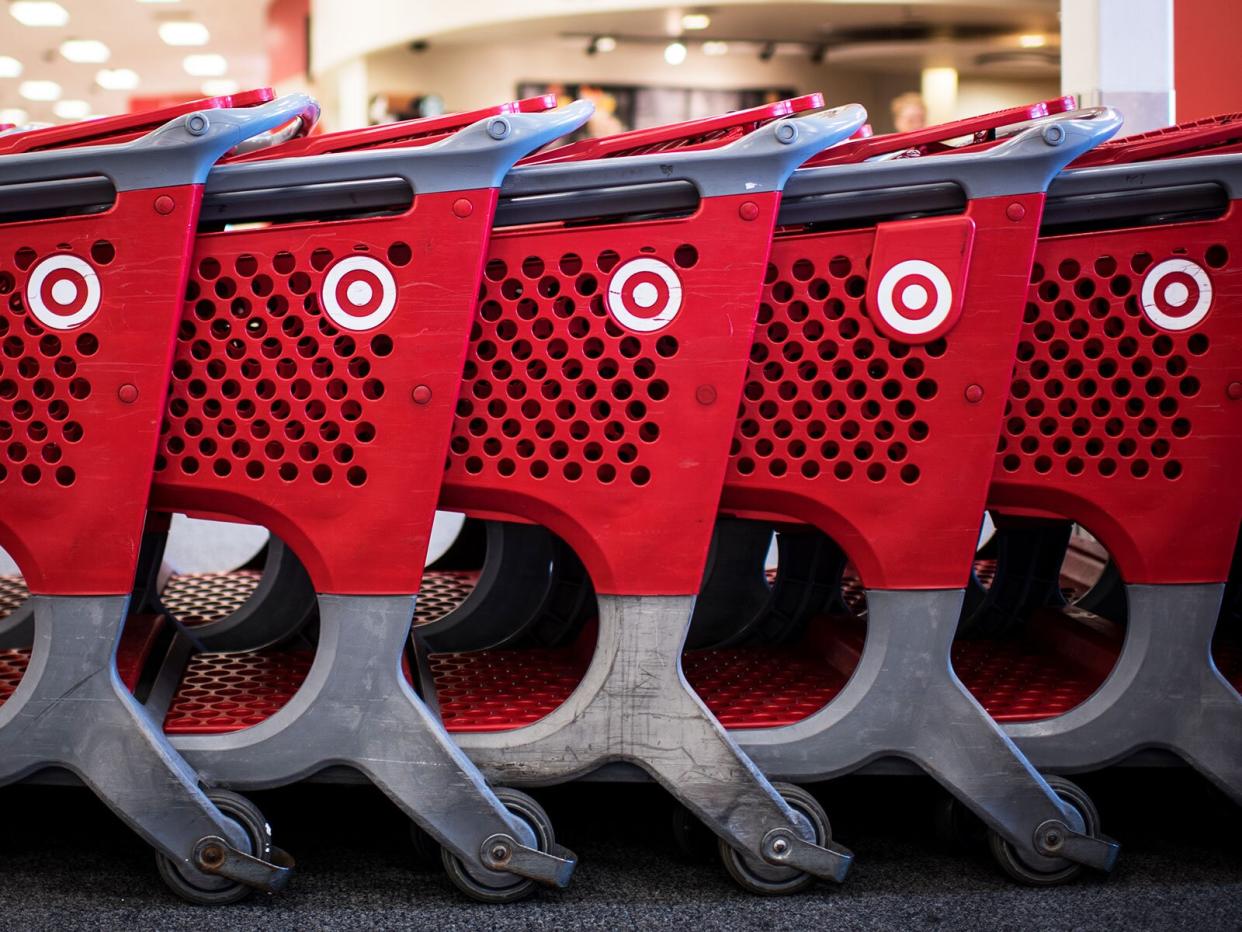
[
  {"x": 123, "y": 128},
  {"x": 982, "y": 125},
  {"x": 403, "y": 133},
  {"x": 681, "y": 136},
  {"x": 1219, "y": 133}
]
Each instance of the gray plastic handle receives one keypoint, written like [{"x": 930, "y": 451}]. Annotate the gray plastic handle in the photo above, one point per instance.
[
  {"x": 477, "y": 156},
  {"x": 1023, "y": 164},
  {"x": 180, "y": 152},
  {"x": 759, "y": 162},
  {"x": 1224, "y": 170}
]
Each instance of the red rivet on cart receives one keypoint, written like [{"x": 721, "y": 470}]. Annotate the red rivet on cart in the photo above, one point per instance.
[
  {"x": 421, "y": 394},
  {"x": 1015, "y": 212},
  {"x": 974, "y": 394},
  {"x": 705, "y": 394},
  {"x": 127, "y": 393},
  {"x": 164, "y": 204},
  {"x": 462, "y": 207},
  {"x": 748, "y": 211},
  {"x": 1234, "y": 390}
]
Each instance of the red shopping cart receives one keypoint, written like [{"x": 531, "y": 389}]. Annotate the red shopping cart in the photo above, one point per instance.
[{"x": 94, "y": 253}]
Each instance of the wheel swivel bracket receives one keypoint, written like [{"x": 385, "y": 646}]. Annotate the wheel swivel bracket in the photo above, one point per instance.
[
  {"x": 783, "y": 847},
  {"x": 1055, "y": 839},
  {"x": 502, "y": 852},
  {"x": 214, "y": 855}
]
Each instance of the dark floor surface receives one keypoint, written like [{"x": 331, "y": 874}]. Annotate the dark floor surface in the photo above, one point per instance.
[{"x": 66, "y": 863}]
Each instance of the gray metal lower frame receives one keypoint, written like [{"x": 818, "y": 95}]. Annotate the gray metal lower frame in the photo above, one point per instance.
[
  {"x": 355, "y": 709},
  {"x": 72, "y": 711},
  {"x": 1163, "y": 692},
  {"x": 634, "y": 705},
  {"x": 905, "y": 701}
]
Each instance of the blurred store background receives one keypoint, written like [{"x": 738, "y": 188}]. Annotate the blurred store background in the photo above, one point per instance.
[{"x": 643, "y": 62}]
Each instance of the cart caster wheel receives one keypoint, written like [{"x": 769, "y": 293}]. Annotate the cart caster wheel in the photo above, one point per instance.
[
  {"x": 693, "y": 840},
  {"x": 497, "y": 886},
  {"x": 1060, "y": 871},
  {"x": 756, "y": 876},
  {"x": 206, "y": 889},
  {"x": 956, "y": 827}
]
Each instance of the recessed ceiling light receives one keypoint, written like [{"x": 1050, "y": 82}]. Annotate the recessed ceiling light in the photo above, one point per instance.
[
  {"x": 674, "y": 53},
  {"x": 205, "y": 66},
  {"x": 71, "y": 109},
  {"x": 10, "y": 67},
  {"x": 39, "y": 90},
  {"x": 715, "y": 48},
  {"x": 605, "y": 44},
  {"x": 14, "y": 115},
  {"x": 39, "y": 13},
  {"x": 184, "y": 32},
  {"x": 116, "y": 79},
  {"x": 693, "y": 21},
  {"x": 1033, "y": 41},
  {"x": 219, "y": 87},
  {"x": 84, "y": 50}
]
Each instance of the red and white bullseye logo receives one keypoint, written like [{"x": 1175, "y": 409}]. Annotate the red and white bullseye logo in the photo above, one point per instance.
[
  {"x": 644, "y": 295},
  {"x": 914, "y": 297},
  {"x": 358, "y": 293},
  {"x": 63, "y": 292},
  {"x": 1176, "y": 294}
]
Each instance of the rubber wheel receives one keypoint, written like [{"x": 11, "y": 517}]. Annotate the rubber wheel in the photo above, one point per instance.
[
  {"x": 1013, "y": 865},
  {"x": 756, "y": 876},
  {"x": 204, "y": 889},
  {"x": 508, "y": 887}
]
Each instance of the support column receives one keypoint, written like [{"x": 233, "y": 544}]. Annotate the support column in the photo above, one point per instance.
[
  {"x": 939, "y": 90},
  {"x": 1119, "y": 53}
]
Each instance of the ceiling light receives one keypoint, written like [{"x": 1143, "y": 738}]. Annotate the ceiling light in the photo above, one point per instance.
[
  {"x": 219, "y": 87},
  {"x": 674, "y": 53},
  {"x": 602, "y": 44},
  {"x": 84, "y": 50},
  {"x": 71, "y": 109},
  {"x": 184, "y": 32},
  {"x": 39, "y": 90},
  {"x": 10, "y": 67},
  {"x": 715, "y": 48},
  {"x": 692, "y": 21},
  {"x": 39, "y": 13},
  {"x": 116, "y": 79},
  {"x": 205, "y": 66},
  {"x": 1033, "y": 41},
  {"x": 14, "y": 115}
]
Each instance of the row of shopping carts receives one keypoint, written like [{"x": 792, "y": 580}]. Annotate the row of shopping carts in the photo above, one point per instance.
[{"x": 632, "y": 362}]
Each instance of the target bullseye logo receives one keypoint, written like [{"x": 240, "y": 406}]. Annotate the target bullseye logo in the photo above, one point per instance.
[
  {"x": 358, "y": 293},
  {"x": 63, "y": 292},
  {"x": 1176, "y": 294},
  {"x": 644, "y": 295},
  {"x": 914, "y": 297}
]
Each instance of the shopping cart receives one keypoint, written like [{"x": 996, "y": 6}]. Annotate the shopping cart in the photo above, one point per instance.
[
  {"x": 94, "y": 254},
  {"x": 599, "y": 392},
  {"x": 317, "y": 363},
  {"x": 1124, "y": 417}
]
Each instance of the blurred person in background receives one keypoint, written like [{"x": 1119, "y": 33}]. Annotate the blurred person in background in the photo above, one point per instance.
[{"x": 909, "y": 112}]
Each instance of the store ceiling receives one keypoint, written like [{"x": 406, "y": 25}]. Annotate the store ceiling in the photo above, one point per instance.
[
  {"x": 130, "y": 29},
  {"x": 1011, "y": 37}
]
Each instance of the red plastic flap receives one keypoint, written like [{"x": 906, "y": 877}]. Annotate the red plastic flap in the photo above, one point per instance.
[
  {"x": 123, "y": 128},
  {"x": 918, "y": 276},
  {"x": 1221, "y": 133},
  {"x": 933, "y": 138},
  {"x": 705, "y": 133},
  {"x": 403, "y": 133}
]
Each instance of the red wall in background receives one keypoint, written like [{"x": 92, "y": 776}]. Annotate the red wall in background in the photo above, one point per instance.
[
  {"x": 286, "y": 39},
  {"x": 1207, "y": 75}
]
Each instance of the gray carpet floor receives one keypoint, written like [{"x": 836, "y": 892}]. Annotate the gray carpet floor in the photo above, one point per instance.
[{"x": 66, "y": 863}]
